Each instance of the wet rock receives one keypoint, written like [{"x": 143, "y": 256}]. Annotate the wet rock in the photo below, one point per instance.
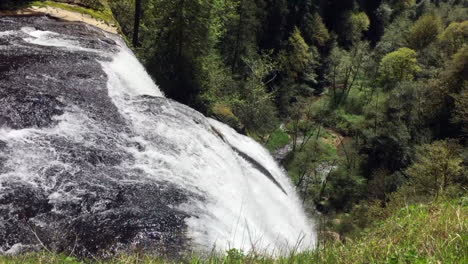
[
  {"x": 24, "y": 108},
  {"x": 76, "y": 193}
]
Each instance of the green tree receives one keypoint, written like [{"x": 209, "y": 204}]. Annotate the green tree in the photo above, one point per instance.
[
  {"x": 461, "y": 109},
  {"x": 445, "y": 91},
  {"x": 182, "y": 37},
  {"x": 297, "y": 58},
  {"x": 357, "y": 24},
  {"x": 254, "y": 105},
  {"x": 314, "y": 30},
  {"x": 456, "y": 73},
  {"x": 454, "y": 37},
  {"x": 273, "y": 28},
  {"x": 344, "y": 68},
  {"x": 397, "y": 66},
  {"x": 424, "y": 31},
  {"x": 310, "y": 169},
  {"x": 342, "y": 189},
  {"x": 436, "y": 166},
  {"x": 302, "y": 123},
  {"x": 218, "y": 87},
  {"x": 126, "y": 19},
  {"x": 298, "y": 62},
  {"x": 403, "y": 4},
  {"x": 240, "y": 38},
  {"x": 394, "y": 35}
]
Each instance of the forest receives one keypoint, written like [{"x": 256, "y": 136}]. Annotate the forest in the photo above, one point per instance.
[
  {"x": 368, "y": 98},
  {"x": 363, "y": 102}
]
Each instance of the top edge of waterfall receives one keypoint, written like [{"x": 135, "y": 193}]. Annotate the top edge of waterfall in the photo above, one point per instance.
[{"x": 62, "y": 14}]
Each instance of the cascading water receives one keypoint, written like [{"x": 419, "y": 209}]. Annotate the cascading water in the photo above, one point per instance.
[{"x": 94, "y": 159}]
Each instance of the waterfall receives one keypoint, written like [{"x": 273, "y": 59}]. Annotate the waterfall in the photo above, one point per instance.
[{"x": 92, "y": 155}]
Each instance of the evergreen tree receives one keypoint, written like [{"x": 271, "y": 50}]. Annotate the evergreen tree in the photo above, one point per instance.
[
  {"x": 314, "y": 30},
  {"x": 356, "y": 24},
  {"x": 240, "y": 38},
  {"x": 274, "y": 25},
  {"x": 297, "y": 58},
  {"x": 298, "y": 63},
  {"x": 335, "y": 13},
  {"x": 254, "y": 105},
  {"x": 181, "y": 39},
  {"x": 379, "y": 13}
]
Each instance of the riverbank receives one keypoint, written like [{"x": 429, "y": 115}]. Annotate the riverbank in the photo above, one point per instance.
[{"x": 72, "y": 13}]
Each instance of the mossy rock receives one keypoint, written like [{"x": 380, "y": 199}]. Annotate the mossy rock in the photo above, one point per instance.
[
  {"x": 223, "y": 113},
  {"x": 93, "y": 4},
  {"x": 99, "y": 5}
]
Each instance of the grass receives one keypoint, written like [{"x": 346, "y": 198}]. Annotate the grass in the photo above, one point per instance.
[
  {"x": 105, "y": 14},
  {"x": 421, "y": 233},
  {"x": 278, "y": 139}
]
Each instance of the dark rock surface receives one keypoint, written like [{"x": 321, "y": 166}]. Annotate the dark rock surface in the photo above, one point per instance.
[{"x": 86, "y": 200}]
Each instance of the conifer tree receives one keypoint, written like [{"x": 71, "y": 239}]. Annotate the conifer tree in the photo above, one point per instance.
[
  {"x": 181, "y": 39},
  {"x": 314, "y": 30},
  {"x": 240, "y": 39}
]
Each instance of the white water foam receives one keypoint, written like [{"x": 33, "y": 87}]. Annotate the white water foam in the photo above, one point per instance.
[
  {"x": 52, "y": 39},
  {"x": 243, "y": 208}
]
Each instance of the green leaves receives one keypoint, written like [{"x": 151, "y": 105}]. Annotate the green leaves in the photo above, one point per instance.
[
  {"x": 358, "y": 23},
  {"x": 454, "y": 37},
  {"x": 400, "y": 65},
  {"x": 315, "y": 30},
  {"x": 253, "y": 105},
  {"x": 437, "y": 166},
  {"x": 424, "y": 31},
  {"x": 297, "y": 58}
]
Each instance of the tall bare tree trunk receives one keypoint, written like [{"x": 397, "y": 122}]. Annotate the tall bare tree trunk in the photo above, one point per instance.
[
  {"x": 136, "y": 24},
  {"x": 238, "y": 36}
]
